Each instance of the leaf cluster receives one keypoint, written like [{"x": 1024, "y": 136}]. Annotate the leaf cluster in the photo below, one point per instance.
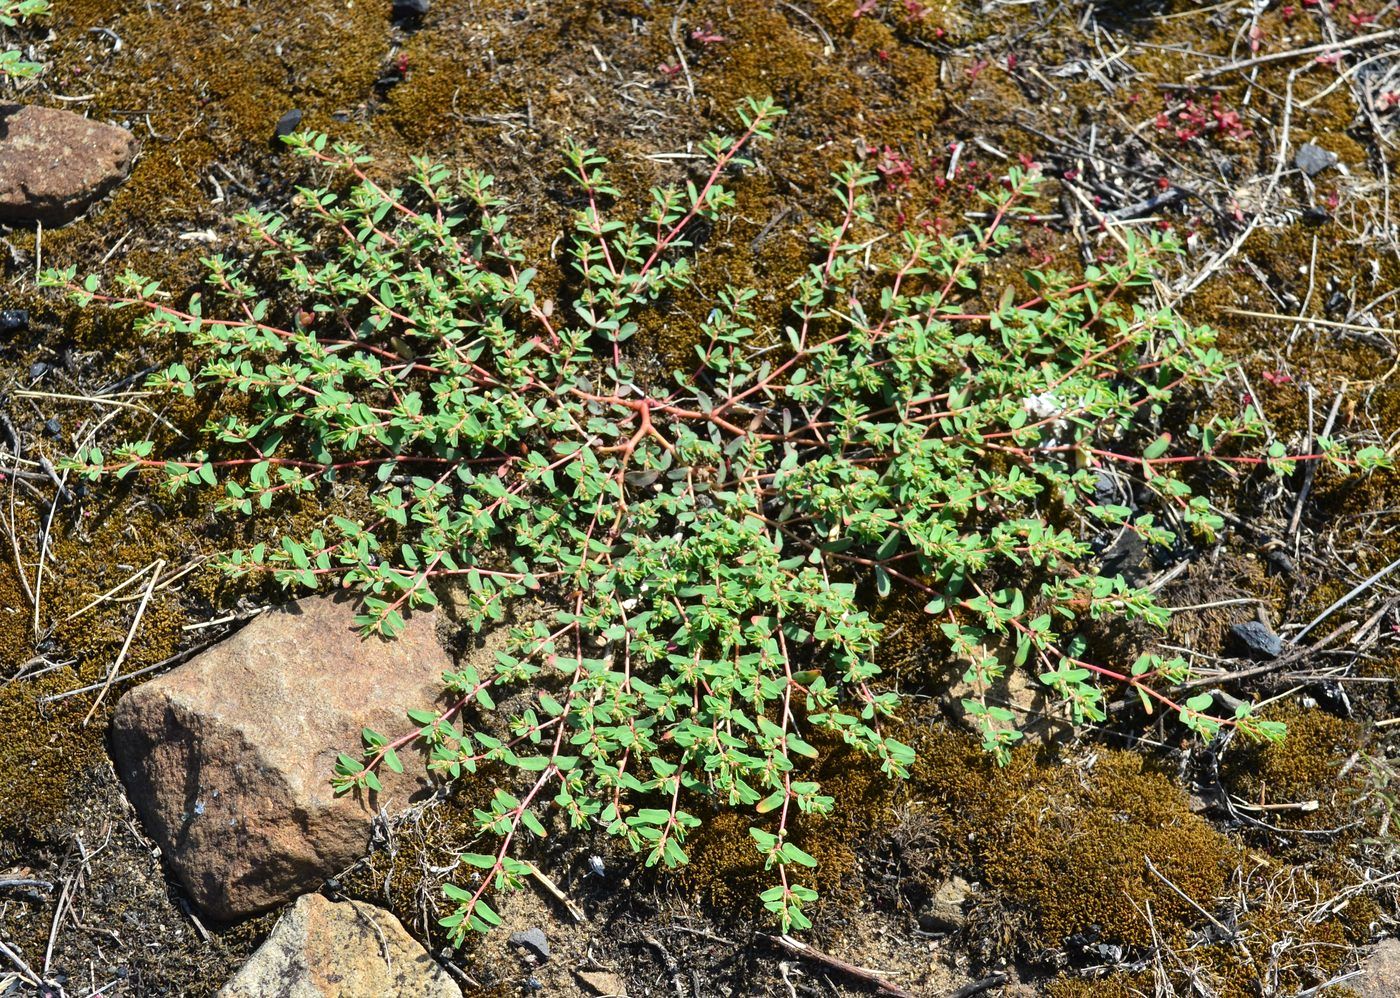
[{"x": 12, "y": 12}]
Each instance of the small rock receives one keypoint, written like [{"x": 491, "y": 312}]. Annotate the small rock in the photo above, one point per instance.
[
  {"x": 321, "y": 947},
  {"x": 37, "y": 370},
  {"x": 1380, "y": 972},
  {"x": 54, "y": 164},
  {"x": 945, "y": 909},
  {"x": 13, "y": 320},
  {"x": 1279, "y": 561},
  {"x": 248, "y": 733},
  {"x": 1313, "y": 159},
  {"x": 1313, "y": 215},
  {"x": 1256, "y": 640},
  {"x": 1332, "y": 697},
  {"x": 1107, "y": 490},
  {"x": 53, "y": 427},
  {"x": 602, "y": 982},
  {"x": 1043, "y": 721},
  {"x": 1129, "y": 557},
  {"x": 416, "y": 8},
  {"x": 533, "y": 940},
  {"x": 287, "y": 124}
]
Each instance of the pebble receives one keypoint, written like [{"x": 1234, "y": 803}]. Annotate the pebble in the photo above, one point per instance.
[
  {"x": 1257, "y": 640},
  {"x": 252, "y": 716},
  {"x": 1313, "y": 159},
  {"x": 944, "y": 912},
  {"x": 322, "y": 948},
  {"x": 56, "y": 164},
  {"x": 418, "y": 7},
  {"x": 13, "y": 320},
  {"x": 1332, "y": 697},
  {"x": 287, "y": 124},
  {"x": 533, "y": 940},
  {"x": 1380, "y": 972},
  {"x": 602, "y": 982},
  {"x": 1279, "y": 561}
]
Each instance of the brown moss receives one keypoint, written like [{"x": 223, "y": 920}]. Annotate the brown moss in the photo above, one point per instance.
[
  {"x": 1064, "y": 842},
  {"x": 1117, "y": 986},
  {"x": 725, "y": 870},
  {"x": 1296, "y": 781},
  {"x": 200, "y": 93},
  {"x": 1068, "y": 841}
]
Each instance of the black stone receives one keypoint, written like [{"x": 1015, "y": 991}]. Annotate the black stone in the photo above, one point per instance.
[
  {"x": 1279, "y": 561},
  {"x": 287, "y": 124},
  {"x": 13, "y": 320},
  {"x": 1256, "y": 640},
  {"x": 411, "y": 7},
  {"x": 1127, "y": 556},
  {"x": 52, "y": 426},
  {"x": 1332, "y": 697}
]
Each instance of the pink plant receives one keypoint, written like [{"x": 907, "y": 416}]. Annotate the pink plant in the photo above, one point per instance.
[{"x": 707, "y": 35}]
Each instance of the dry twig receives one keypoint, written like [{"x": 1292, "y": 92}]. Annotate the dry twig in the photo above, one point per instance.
[{"x": 874, "y": 977}]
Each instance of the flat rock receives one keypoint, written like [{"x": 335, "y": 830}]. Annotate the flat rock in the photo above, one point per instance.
[
  {"x": 1313, "y": 159},
  {"x": 533, "y": 940},
  {"x": 345, "y": 948},
  {"x": 228, "y": 758},
  {"x": 54, "y": 164},
  {"x": 1380, "y": 972},
  {"x": 602, "y": 983}
]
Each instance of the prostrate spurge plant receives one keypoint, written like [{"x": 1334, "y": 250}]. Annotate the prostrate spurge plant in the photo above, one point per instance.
[{"x": 701, "y": 542}]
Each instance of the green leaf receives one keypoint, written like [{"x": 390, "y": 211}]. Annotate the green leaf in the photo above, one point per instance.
[
  {"x": 528, "y": 819},
  {"x": 483, "y": 911},
  {"x": 1158, "y": 447}
]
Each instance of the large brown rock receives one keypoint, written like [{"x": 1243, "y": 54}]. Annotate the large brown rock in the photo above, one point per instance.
[
  {"x": 54, "y": 164},
  {"x": 228, "y": 758},
  {"x": 1380, "y": 972},
  {"x": 347, "y": 949}
]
